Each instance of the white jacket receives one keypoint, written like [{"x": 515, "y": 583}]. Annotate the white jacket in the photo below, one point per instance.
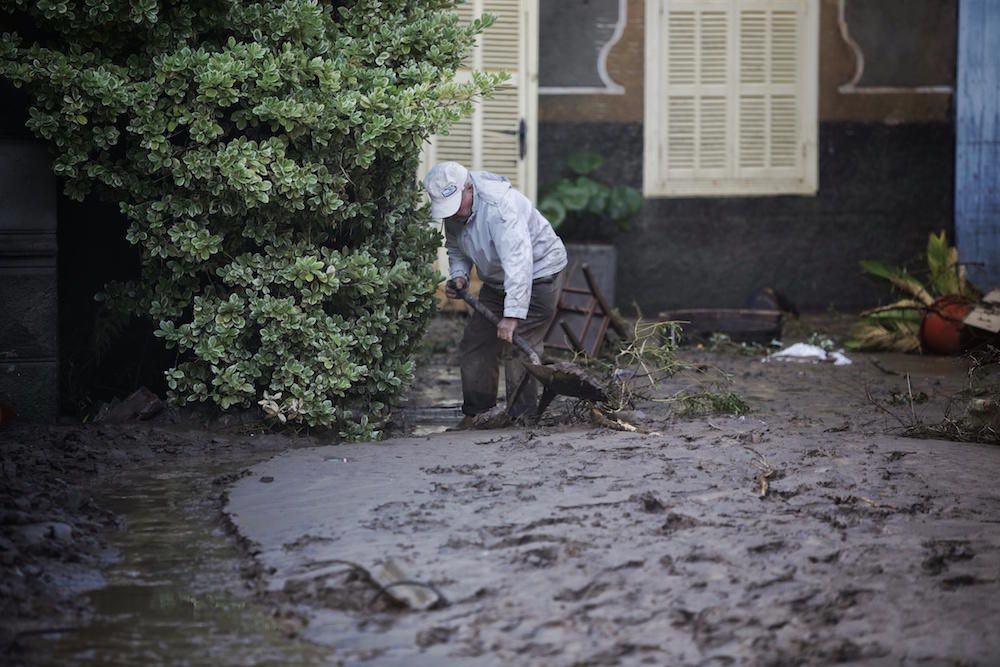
[{"x": 508, "y": 240}]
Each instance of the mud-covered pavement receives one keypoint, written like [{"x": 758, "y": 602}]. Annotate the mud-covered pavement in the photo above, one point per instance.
[
  {"x": 559, "y": 546},
  {"x": 554, "y": 545}
]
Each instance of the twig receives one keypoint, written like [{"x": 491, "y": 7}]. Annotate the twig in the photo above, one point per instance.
[
  {"x": 909, "y": 391},
  {"x": 881, "y": 407},
  {"x": 615, "y": 424},
  {"x": 766, "y": 471},
  {"x": 872, "y": 503},
  {"x": 876, "y": 364}
]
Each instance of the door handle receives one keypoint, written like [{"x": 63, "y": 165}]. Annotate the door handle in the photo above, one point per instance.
[{"x": 522, "y": 138}]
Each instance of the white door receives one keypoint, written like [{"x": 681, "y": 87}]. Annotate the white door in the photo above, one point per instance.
[{"x": 500, "y": 136}]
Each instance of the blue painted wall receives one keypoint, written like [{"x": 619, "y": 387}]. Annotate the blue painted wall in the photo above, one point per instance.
[{"x": 977, "y": 149}]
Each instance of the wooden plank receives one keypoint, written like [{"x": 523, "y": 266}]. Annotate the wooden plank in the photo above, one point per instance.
[{"x": 977, "y": 151}]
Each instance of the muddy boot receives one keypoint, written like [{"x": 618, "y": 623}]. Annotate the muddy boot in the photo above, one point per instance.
[
  {"x": 468, "y": 421},
  {"x": 496, "y": 417}
]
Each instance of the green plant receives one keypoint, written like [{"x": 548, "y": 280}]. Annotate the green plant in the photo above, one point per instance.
[
  {"x": 896, "y": 326},
  {"x": 646, "y": 363},
  {"x": 263, "y": 154},
  {"x": 581, "y": 206},
  {"x": 716, "y": 401}
]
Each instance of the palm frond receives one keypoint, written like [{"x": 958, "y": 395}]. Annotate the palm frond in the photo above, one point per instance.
[
  {"x": 904, "y": 309},
  {"x": 899, "y": 279},
  {"x": 942, "y": 260},
  {"x": 894, "y": 336}
]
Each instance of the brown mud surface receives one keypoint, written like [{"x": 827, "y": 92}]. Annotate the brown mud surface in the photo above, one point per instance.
[{"x": 562, "y": 545}]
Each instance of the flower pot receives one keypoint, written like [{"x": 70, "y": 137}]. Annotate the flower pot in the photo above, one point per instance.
[{"x": 941, "y": 330}]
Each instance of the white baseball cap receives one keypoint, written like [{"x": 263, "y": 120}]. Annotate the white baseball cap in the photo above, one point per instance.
[{"x": 444, "y": 183}]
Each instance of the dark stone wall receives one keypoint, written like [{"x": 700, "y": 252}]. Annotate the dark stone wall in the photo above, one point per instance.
[
  {"x": 882, "y": 190},
  {"x": 52, "y": 318},
  {"x": 29, "y": 345}
]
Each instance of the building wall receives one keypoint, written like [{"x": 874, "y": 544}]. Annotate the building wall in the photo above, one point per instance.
[
  {"x": 29, "y": 345},
  {"x": 54, "y": 356},
  {"x": 886, "y": 173}
]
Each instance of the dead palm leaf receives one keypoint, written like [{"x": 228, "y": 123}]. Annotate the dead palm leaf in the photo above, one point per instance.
[
  {"x": 899, "y": 279},
  {"x": 906, "y": 309},
  {"x": 895, "y": 336}
]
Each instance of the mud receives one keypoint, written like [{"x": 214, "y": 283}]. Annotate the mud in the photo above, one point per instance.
[
  {"x": 135, "y": 565},
  {"x": 558, "y": 546},
  {"x": 551, "y": 546}
]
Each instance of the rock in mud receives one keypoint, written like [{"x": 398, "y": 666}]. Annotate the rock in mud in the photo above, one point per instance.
[{"x": 141, "y": 405}]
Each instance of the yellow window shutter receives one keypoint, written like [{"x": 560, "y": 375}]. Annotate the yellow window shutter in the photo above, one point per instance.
[
  {"x": 499, "y": 136},
  {"x": 770, "y": 90},
  {"x": 698, "y": 44},
  {"x": 731, "y": 97}
]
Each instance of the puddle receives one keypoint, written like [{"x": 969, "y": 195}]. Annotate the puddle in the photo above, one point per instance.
[
  {"x": 174, "y": 594},
  {"x": 420, "y": 421}
]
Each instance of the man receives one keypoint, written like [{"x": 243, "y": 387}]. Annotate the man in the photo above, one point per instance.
[{"x": 518, "y": 256}]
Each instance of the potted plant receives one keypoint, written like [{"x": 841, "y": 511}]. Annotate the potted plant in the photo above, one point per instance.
[
  {"x": 930, "y": 316},
  {"x": 587, "y": 213}
]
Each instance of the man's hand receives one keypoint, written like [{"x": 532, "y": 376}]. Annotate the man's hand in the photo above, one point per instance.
[
  {"x": 506, "y": 329},
  {"x": 454, "y": 286}
]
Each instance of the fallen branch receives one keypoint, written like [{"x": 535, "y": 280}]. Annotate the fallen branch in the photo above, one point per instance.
[
  {"x": 878, "y": 365},
  {"x": 615, "y": 424}
]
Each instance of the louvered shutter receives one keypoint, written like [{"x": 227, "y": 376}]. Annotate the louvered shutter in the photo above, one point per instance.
[
  {"x": 731, "y": 106},
  {"x": 490, "y": 139}
]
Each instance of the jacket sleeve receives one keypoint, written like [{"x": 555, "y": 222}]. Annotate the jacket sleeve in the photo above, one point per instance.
[
  {"x": 459, "y": 264},
  {"x": 513, "y": 244}
]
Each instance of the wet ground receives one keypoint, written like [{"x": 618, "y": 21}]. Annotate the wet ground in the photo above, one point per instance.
[
  {"x": 164, "y": 583},
  {"x": 807, "y": 532}
]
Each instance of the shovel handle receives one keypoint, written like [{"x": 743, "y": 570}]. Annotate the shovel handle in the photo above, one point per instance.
[{"x": 493, "y": 319}]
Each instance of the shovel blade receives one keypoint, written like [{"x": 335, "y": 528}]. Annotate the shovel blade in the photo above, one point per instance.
[{"x": 568, "y": 380}]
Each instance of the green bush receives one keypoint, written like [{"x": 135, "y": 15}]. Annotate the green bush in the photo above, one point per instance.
[
  {"x": 264, "y": 155},
  {"x": 584, "y": 208}
]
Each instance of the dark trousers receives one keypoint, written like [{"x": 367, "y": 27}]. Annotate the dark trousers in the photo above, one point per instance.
[{"x": 481, "y": 351}]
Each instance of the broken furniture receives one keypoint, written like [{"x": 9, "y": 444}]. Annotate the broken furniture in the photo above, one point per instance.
[{"x": 582, "y": 316}]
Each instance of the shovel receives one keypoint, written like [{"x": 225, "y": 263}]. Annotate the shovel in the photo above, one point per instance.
[{"x": 562, "y": 379}]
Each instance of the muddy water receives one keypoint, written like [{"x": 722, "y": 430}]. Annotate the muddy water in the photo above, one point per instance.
[{"x": 174, "y": 592}]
